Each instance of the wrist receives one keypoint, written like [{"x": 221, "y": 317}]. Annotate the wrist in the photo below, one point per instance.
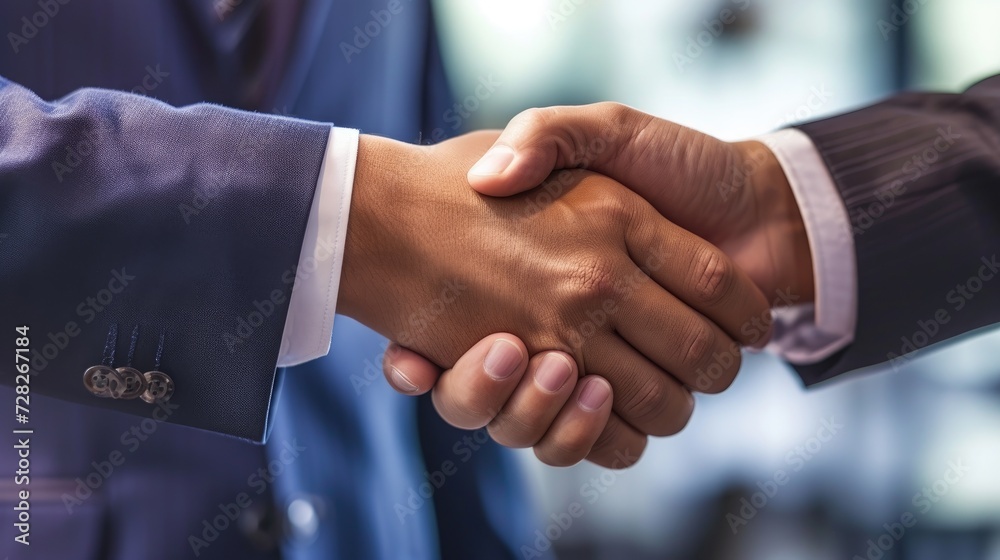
[
  {"x": 780, "y": 225},
  {"x": 381, "y": 174}
]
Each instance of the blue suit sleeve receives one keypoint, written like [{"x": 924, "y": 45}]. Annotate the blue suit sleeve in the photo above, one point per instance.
[{"x": 118, "y": 211}]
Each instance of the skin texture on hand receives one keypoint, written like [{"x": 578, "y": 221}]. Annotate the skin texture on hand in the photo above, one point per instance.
[
  {"x": 563, "y": 425},
  {"x": 733, "y": 195},
  {"x": 582, "y": 266}
]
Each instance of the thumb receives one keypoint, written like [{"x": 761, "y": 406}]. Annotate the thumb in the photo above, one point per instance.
[
  {"x": 408, "y": 372},
  {"x": 539, "y": 141},
  {"x": 685, "y": 174},
  {"x": 513, "y": 166}
]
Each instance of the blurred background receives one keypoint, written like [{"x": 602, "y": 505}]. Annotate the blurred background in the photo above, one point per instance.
[{"x": 888, "y": 464}]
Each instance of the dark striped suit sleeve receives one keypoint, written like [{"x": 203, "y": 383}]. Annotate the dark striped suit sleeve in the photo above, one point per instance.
[{"x": 920, "y": 177}]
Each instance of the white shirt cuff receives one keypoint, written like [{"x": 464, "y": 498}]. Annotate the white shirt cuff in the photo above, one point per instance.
[
  {"x": 313, "y": 305},
  {"x": 809, "y": 333}
]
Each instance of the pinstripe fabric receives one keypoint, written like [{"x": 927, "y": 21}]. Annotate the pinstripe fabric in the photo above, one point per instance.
[{"x": 920, "y": 177}]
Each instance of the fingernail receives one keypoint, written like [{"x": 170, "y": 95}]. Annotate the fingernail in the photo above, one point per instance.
[
  {"x": 401, "y": 381},
  {"x": 553, "y": 372},
  {"x": 502, "y": 360},
  {"x": 494, "y": 162},
  {"x": 594, "y": 394}
]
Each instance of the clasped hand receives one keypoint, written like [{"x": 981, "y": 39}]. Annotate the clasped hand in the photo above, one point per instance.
[{"x": 604, "y": 314}]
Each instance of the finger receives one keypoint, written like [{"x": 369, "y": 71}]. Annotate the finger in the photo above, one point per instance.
[
  {"x": 699, "y": 274},
  {"x": 408, "y": 372},
  {"x": 647, "y": 397},
  {"x": 539, "y": 141},
  {"x": 619, "y": 446},
  {"x": 572, "y": 435},
  {"x": 544, "y": 389},
  {"x": 627, "y": 145},
  {"x": 472, "y": 393},
  {"x": 674, "y": 337}
]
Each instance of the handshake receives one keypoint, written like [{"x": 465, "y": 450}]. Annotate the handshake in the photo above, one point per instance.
[{"x": 603, "y": 266}]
